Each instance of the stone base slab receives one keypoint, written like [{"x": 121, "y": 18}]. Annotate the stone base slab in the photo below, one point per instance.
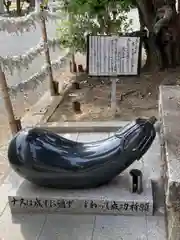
[{"x": 114, "y": 198}]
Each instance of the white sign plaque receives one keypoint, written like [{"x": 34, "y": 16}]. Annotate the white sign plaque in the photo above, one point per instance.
[{"x": 113, "y": 55}]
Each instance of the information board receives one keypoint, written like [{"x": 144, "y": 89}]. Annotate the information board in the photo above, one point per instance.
[{"x": 113, "y": 55}]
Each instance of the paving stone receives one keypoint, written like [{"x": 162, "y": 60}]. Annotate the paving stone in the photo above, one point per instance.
[
  {"x": 120, "y": 228},
  {"x": 19, "y": 227},
  {"x": 11, "y": 184},
  {"x": 154, "y": 170},
  {"x": 152, "y": 161},
  {"x": 156, "y": 228},
  {"x": 4, "y": 164},
  {"x": 68, "y": 227}
]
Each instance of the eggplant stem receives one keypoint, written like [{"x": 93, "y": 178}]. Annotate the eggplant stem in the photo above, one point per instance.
[{"x": 152, "y": 120}]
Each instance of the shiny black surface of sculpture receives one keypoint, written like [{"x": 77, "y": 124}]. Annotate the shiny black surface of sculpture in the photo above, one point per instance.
[{"x": 47, "y": 159}]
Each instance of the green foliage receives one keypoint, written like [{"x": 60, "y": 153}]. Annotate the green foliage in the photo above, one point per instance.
[{"x": 91, "y": 17}]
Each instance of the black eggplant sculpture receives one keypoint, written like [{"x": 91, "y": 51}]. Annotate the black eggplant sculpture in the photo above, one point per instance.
[{"x": 47, "y": 159}]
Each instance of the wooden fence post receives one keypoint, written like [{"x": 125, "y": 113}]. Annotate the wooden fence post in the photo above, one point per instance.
[
  {"x": 7, "y": 103},
  {"x": 2, "y": 7},
  {"x": 52, "y": 85},
  {"x": 73, "y": 66},
  {"x": 73, "y": 62},
  {"x": 18, "y": 7}
]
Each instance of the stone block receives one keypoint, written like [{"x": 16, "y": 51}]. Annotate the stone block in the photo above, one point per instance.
[
  {"x": 114, "y": 198},
  {"x": 68, "y": 227},
  {"x": 169, "y": 108},
  {"x": 120, "y": 227},
  {"x": 170, "y": 115}
]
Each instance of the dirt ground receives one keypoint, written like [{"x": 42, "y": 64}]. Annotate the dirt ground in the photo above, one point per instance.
[{"x": 136, "y": 97}]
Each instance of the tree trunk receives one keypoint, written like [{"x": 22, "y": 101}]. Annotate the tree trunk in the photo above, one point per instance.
[
  {"x": 7, "y": 5},
  {"x": 146, "y": 21},
  {"x": 148, "y": 43},
  {"x": 32, "y": 3},
  {"x": 178, "y": 8},
  {"x": 152, "y": 62},
  {"x": 157, "y": 18},
  {"x": 18, "y": 7}
]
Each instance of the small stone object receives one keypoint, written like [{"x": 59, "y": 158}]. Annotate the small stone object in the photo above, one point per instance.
[
  {"x": 136, "y": 181},
  {"x": 76, "y": 107}
]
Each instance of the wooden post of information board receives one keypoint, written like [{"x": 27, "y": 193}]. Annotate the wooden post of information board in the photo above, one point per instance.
[
  {"x": 52, "y": 84},
  {"x": 113, "y": 95},
  {"x": 7, "y": 102}
]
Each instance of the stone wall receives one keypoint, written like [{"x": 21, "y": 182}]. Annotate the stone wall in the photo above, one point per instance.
[{"x": 169, "y": 109}]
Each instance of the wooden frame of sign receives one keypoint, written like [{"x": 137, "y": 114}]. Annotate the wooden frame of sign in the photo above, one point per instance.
[
  {"x": 105, "y": 50},
  {"x": 113, "y": 56}
]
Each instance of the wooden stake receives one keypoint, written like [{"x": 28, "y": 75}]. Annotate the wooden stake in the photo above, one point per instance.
[
  {"x": 7, "y": 103},
  {"x": 76, "y": 107},
  {"x": 48, "y": 59},
  {"x": 75, "y": 85}
]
